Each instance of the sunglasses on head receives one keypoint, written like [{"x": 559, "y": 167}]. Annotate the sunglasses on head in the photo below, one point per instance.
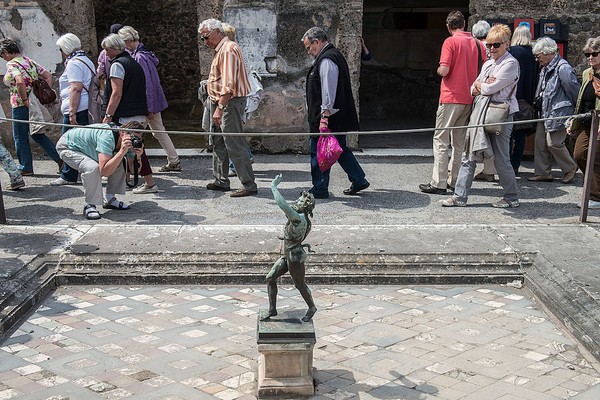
[
  {"x": 593, "y": 54},
  {"x": 494, "y": 45}
]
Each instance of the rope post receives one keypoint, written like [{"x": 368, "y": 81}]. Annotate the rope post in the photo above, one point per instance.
[
  {"x": 589, "y": 166},
  {"x": 2, "y": 210}
]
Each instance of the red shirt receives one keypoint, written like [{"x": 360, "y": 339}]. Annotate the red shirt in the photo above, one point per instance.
[{"x": 459, "y": 54}]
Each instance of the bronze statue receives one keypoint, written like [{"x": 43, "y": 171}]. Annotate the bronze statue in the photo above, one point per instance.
[{"x": 296, "y": 230}]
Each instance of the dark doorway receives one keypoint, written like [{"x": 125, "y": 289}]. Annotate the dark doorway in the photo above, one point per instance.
[{"x": 399, "y": 86}]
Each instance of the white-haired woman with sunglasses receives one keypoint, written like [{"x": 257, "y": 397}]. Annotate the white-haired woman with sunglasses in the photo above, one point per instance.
[
  {"x": 556, "y": 95},
  {"x": 588, "y": 100}
]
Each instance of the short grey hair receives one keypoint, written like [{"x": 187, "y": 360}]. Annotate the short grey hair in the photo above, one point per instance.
[
  {"x": 545, "y": 45},
  {"x": 128, "y": 33},
  {"x": 211, "y": 24},
  {"x": 521, "y": 36},
  {"x": 113, "y": 41},
  {"x": 68, "y": 43},
  {"x": 480, "y": 29},
  {"x": 316, "y": 33}
]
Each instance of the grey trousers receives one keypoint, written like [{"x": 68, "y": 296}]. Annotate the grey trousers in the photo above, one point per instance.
[
  {"x": 506, "y": 175},
  {"x": 549, "y": 145},
  {"x": 90, "y": 173},
  {"x": 232, "y": 147}
]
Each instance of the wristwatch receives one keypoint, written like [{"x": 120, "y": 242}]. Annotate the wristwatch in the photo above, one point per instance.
[
  {"x": 107, "y": 115},
  {"x": 324, "y": 116},
  {"x": 220, "y": 106}
]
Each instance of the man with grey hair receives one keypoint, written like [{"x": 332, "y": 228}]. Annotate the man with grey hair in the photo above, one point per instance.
[
  {"x": 330, "y": 109},
  {"x": 227, "y": 87}
]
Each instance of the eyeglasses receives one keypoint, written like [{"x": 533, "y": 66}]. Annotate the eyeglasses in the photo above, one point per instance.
[
  {"x": 536, "y": 56},
  {"x": 593, "y": 54},
  {"x": 494, "y": 45},
  {"x": 204, "y": 38},
  {"x": 310, "y": 44}
]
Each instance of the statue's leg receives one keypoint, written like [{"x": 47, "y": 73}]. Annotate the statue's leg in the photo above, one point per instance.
[
  {"x": 298, "y": 272},
  {"x": 279, "y": 268}
]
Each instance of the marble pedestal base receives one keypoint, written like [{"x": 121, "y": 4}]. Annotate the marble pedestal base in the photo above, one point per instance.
[{"x": 285, "y": 363}]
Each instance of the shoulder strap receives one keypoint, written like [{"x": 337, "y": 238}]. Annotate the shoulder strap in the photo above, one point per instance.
[
  {"x": 479, "y": 56},
  {"x": 25, "y": 69},
  {"x": 88, "y": 67}
]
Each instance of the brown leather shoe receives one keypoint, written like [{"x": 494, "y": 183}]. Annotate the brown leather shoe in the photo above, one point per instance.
[
  {"x": 568, "y": 177},
  {"x": 541, "y": 178},
  {"x": 485, "y": 177},
  {"x": 244, "y": 193}
]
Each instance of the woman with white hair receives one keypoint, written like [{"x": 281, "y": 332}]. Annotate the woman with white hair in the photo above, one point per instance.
[
  {"x": 556, "y": 96},
  {"x": 74, "y": 84},
  {"x": 125, "y": 96},
  {"x": 157, "y": 102}
]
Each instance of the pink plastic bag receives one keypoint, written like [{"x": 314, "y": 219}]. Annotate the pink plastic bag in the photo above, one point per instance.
[{"x": 328, "y": 151}]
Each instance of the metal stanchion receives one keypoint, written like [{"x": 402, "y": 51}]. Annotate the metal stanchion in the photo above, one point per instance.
[
  {"x": 2, "y": 210},
  {"x": 589, "y": 166}
]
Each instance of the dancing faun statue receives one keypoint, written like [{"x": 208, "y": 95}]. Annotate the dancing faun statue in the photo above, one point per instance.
[{"x": 294, "y": 255}]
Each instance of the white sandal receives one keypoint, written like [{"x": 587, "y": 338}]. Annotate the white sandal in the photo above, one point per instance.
[{"x": 90, "y": 212}]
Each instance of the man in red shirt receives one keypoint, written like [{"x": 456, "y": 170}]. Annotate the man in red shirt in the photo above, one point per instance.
[{"x": 459, "y": 63}]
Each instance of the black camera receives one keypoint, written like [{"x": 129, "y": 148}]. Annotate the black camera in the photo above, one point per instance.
[{"x": 136, "y": 141}]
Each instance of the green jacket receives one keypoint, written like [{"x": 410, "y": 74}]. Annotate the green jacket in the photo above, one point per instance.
[{"x": 585, "y": 79}]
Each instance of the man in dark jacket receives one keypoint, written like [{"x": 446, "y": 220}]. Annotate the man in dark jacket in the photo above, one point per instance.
[{"x": 330, "y": 109}]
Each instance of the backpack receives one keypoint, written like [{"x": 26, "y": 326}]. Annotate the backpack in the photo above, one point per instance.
[{"x": 95, "y": 99}]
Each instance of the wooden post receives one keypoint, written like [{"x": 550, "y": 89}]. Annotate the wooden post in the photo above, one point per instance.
[{"x": 589, "y": 166}]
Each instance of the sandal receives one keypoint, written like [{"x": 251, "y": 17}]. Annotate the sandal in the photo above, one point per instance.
[
  {"x": 90, "y": 212},
  {"x": 114, "y": 204}
]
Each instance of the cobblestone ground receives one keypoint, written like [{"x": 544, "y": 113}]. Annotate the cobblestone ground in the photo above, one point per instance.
[{"x": 381, "y": 342}]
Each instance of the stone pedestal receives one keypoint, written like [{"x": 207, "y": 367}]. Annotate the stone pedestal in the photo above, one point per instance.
[{"x": 285, "y": 362}]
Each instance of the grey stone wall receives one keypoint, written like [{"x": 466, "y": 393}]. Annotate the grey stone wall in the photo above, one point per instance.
[{"x": 582, "y": 17}]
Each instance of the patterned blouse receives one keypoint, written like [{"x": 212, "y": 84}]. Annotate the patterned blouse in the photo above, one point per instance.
[{"x": 13, "y": 69}]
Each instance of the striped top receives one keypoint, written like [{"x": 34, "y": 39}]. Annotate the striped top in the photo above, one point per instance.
[{"x": 227, "y": 72}]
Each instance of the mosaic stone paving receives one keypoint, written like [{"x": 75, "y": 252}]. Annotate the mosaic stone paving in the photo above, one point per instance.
[{"x": 372, "y": 343}]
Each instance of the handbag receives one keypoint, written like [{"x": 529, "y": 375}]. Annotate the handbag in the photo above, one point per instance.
[
  {"x": 525, "y": 113},
  {"x": 328, "y": 151},
  {"x": 44, "y": 93},
  {"x": 494, "y": 114},
  {"x": 497, "y": 113}
]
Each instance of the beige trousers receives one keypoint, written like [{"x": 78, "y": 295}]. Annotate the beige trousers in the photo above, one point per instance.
[
  {"x": 549, "y": 145},
  {"x": 448, "y": 140},
  {"x": 164, "y": 140}
]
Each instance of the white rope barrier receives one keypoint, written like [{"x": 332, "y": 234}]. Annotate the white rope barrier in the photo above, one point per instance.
[{"x": 291, "y": 134}]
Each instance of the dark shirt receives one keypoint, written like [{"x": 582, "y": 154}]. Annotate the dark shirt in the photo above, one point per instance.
[{"x": 528, "y": 72}]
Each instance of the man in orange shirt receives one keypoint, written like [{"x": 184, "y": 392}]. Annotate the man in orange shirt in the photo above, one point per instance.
[
  {"x": 227, "y": 87},
  {"x": 458, "y": 68}
]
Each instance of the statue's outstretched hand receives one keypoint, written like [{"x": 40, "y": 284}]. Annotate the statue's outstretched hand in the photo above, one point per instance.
[{"x": 277, "y": 180}]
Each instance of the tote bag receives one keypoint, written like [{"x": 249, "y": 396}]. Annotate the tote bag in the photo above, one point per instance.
[{"x": 328, "y": 151}]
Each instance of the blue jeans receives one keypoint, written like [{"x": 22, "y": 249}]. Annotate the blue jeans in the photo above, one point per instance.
[
  {"x": 68, "y": 173},
  {"x": 348, "y": 162},
  {"x": 506, "y": 174},
  {"x": 21, "y": 137}
]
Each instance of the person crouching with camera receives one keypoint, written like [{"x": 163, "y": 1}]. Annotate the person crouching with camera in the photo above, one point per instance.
[{"x": 96, "y": 152}]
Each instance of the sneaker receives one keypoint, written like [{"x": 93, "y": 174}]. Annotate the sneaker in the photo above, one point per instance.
[
  {"x": 143, "y": 189},
  {"x": 452, "y": 202},
  {"x": 485, "y": 177},
  {"x": 170, "y": 167},
  {"x": 592, "y": 204},
  {"x": 16, "y": 185},
  {"x": 503, "y": 203},
  {"x": 61, "y": 182}
]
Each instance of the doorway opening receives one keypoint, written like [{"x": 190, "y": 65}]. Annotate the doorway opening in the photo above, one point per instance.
[{"x": 399, "y": 86}]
